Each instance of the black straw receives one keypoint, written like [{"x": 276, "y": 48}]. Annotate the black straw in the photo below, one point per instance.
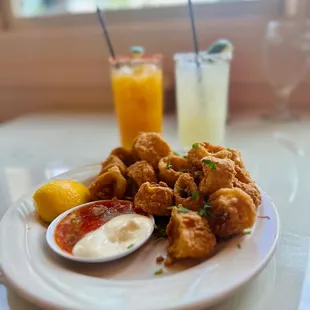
[
  {"x": 106, "y": 33},
  {"x": 194, "y": 32}
]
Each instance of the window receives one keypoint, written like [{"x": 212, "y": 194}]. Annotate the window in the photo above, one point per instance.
[{"x": 54, "y": 54}]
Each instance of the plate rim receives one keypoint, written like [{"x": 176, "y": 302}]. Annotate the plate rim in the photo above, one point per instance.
[{"x": 191, "y": 305}]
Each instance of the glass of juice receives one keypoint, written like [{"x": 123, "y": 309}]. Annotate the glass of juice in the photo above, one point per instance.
[
  {"x": 202, "y": 94},
  {"x": 138, "y": 95}
]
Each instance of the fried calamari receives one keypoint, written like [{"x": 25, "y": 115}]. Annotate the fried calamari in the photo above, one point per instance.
[
  {"x": 126, "y": 156},
  {"x": 232, "y": 211},
  {"x": 217, "y": 173},
  {"x": 251, "y": 189},
  {"x": 171, "y": 167},
  {"x": 189, "y": 236},
  {"x": 151, "y": 147},
  {"x": 186, "y": 193},
  {"x": 113, "y": 161},
  {"x": 108, "y": 185},
  {"x": 154, "y": 198},
  {"x": 141, "y": 172}
]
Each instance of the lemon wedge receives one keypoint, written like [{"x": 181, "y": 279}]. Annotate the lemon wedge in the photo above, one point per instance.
[{"x": 58, "y": 196}]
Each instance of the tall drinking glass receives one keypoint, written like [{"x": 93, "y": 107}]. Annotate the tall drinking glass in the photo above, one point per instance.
[
  {"x": 286, "y": 58},
  {"x": 138, "y": 95},
  {"x": 202, "y": 95}
]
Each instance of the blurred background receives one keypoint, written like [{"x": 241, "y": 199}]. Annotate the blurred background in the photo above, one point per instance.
[{"x": 53, "y": 56}]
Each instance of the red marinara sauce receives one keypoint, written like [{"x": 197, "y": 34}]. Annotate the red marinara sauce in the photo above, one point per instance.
[{"x": 78, "y": 223}]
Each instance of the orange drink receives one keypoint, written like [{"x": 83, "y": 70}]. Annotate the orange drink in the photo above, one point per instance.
[{"x": 138, "y": 96}]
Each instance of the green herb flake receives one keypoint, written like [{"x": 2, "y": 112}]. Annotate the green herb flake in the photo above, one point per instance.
[
  {"x": 169, "y": 166},
  {"x": 239, "y": 246},
  {"x": 246, "y": 232},
  {"x": 130, "y": 246},
  {"x": 180, "y": 208},
  {"x": 205, "y": 211},
  {"x": 180, "y": 189},
  {"x": 211, "y": 164},
  {"x": 195, "y": 195},
  {"x": 195, "y": 145},
  {"x": 176, "y": 154},
  {"x": 158, "y": 272}
]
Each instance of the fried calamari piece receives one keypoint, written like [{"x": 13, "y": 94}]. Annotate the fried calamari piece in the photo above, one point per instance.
[
  {"x": 151, "y": 147},
  {"x": 186, "y": 193},
  {"x": 189, "y": 236},
  {"x": 200, "y": 150},
  {"x": 126, "y": 156},
  {"x": 236, "y": 157},
  {"x": 251, "y": 189},
  {"x": 232, "y": 211},
  {"x": 217, "y": 173},
  {"x": 171, "y": 167},
  {"x": 141, "y": 172},
  {"x": 113, "y": 161},
  {"x": 108, "y": 185},
  {"x": 154, "y": 198}
]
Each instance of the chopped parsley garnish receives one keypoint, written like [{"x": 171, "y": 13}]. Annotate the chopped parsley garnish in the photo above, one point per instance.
[
  {"x": 211, "y": 164},
  {"x": 158, "y": 272},
  {"x": 180, "y": 208},
  {"x": 130, "y": 246},
  {"x": 239, "y": 246},
  {"x": 195, "y": 195},
  {"x": 169, "y": 166},
  {"x": 160, "y": 226},
  {"x": 246, "y": 232},
  {"x": 180, "y": 189},
  {"x": 176, "y": 153},
  {"x": 206, "y": 210},
  {"x": 195, "y": 145}
]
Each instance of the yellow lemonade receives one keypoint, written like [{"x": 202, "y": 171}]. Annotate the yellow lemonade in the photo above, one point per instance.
[{"x": 138, "y": 97}]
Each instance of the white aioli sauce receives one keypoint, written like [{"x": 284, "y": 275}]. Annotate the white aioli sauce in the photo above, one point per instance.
[{"x": 114, "y": 237}]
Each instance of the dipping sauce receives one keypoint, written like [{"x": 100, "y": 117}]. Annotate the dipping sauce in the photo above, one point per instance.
[
  {"x": 115, "y": 237},
  {"x": 72, "y": 228}
]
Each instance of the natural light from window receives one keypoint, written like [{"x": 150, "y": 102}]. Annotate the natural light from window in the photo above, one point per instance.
[{"x": 31, "y": 8}]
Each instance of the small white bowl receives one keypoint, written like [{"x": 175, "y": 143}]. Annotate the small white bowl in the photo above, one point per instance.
[{"x": 50, "y": 238}]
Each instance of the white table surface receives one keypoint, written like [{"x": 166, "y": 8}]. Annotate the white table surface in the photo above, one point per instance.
[{"x": 36, "y": 147}]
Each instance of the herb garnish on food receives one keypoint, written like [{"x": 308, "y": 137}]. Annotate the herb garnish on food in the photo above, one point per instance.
[
  {"x": 195, "y": 195},
  {"x": 158, "y": 272},
  {"x": 180, "y": 208},
  {"x": 211, "y": 164},
  {"x": 176, "y": 153},
  {"x": 130, "y": 246},
  {"x": 206, "y": 210},
  {"x": 160, "y": 226},
  {"x": 195, "y": 145},
  {"x": 169, "y": 166},
  {"x": 246, "y": 232}
]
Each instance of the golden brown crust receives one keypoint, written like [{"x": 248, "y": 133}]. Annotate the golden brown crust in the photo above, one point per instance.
[
  {"x": 251, "y": 189},
  {"x": 126, "y": 156},
  {"x": 186, "y": 193},
  {"x": 236, "y": 157},
  {"x": 189, "y": 236},
  {"x": 108, "y": 185},
  {"x": 151, "y": 147},
  {"x": 219, "y": 173},
  {"x": 112, "y": 161},
  {"x": 154, "y": 198},
  {"x": 141, "y": 172},
  {"x": 232, "y": 211},
  {"x": 171, "y": 167}
]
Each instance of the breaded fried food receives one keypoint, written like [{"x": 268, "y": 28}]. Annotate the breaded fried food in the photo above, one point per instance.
[
  {"x": 186, "y": 193},
  {"x": 189, "y": 236},
  {"x": 126, "y": 156},
  {"x": 200, "y": 150},
  {"x": 154, "y": 198},
  {"x": 141, "y": 172},
  {"x": 232, "y": 211},
  {"x": 251, "y": 189},
  {"x": 150, "y": 146},
  {"x": 171, "y": 167},
  {"x": 113, "y": 161},
  {"x": 217, "y": 173},
  {"x": 236, "y": 157},
  {"x": 108, "y": 185}
]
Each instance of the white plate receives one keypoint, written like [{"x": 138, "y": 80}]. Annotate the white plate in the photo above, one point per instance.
[{"x": 50, "y": 281}]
